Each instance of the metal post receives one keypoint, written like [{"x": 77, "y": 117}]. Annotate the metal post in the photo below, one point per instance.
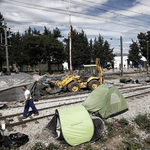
[
  {"x": 9, "y": 37},
  {"x": 6, "y": 47},
  {"x": 121, "y": 56},
  {"x": 147, "y": 58},
  {"x": 70, "y": 44}
]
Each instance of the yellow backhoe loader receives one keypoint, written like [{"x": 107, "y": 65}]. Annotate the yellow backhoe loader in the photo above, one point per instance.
[{"x": 89, "y": 76}]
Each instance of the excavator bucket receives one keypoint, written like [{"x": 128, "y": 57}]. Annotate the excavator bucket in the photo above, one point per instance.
[{"x": 53, "y": 88}]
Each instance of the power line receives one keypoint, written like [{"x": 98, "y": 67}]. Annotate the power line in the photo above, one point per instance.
[
  {"x": 140, "y": 3},
  {"x": 64, "y": 12},
  {"x": 108, "y": 10},
  {"x": 80, "y": 27},
  {"x": 86, "y": 5},
  {"x": 121, "y": 9},
  {"x": 116, "y": 7}
]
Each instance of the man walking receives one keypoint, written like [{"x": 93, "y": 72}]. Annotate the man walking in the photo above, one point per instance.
[{"x": 28, "y": 103}]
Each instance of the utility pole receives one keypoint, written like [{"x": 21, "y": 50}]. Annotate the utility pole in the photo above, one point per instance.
[
  {"x": 121, "y": 56},
  {"x": 70, "y": 41},
  {"x": 147, "y": 58},
  {"x": 6, "y": 47}
]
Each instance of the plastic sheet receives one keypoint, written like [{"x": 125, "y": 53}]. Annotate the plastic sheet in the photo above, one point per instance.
[
  {"x": 10, "y": 87},
  {"x": 7, "y": 82}
]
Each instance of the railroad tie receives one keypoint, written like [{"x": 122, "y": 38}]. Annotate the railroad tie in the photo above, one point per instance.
[
  {"x": 7, "y": 123},
  {"x": 20, "y": 120},
  {"x": 36, "y": 122}
]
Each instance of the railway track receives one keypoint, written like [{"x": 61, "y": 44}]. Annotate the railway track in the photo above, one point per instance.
[
  {"x": 62, "y": 102},
  {"x": 76, "y": 95}
]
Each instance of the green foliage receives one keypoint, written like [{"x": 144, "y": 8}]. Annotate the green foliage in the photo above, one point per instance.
[
  {"x": 88, "y": 147},
  {"x": 104, "y": 138},
  {"x": 101, "y": 49},
  {"x": 52, "y": 146},
  {"x": 34, "y": 47},
  {"x": 131, "y": 133},
  {"x": 123, "y": 122},
  {"x": 143, "y": 122},
  {"x": 81, "y": 52},
  {"x": 134, "y": 52},
  {"x": 110, "y": 129},
  {"x": 147, "y": 140},
  {"x": 146, "y": 148},
  {"x": 144, "y": 43},
  {"x": 38, "y": 146},
  {"x": 132, "y": 145}
]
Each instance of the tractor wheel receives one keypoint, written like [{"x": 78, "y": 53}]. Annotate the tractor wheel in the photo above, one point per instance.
[
  {"x": 93, "y": 84},
  {"x": 73, "y": 87}
]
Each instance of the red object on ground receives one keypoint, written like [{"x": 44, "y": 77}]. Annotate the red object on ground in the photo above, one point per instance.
[{"x": 116, "y": 125}]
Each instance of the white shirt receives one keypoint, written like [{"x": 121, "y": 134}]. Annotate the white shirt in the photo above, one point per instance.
[{"x": 26, "y": 93}]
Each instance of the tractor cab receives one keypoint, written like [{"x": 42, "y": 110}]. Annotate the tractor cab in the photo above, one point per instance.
[{"x": 87, "y": 71}]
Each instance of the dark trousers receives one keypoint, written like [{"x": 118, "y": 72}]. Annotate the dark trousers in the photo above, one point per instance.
[{"x": 29, "y": 103}]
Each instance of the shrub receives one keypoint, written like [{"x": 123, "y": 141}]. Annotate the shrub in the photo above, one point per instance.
[
  {"x": 38, "y": 146},
  {"x": 123, "y": 122},
  {"x": 132, "y": 145},
  {"x": 147, "y": 140},
  {"x": 110, "y": 129},
  {"x": 88, "y": 147},
  {"x": 131, "y": 133},
  {"x": 52, "y": 146},
  {"x": 143, "y": 122}
]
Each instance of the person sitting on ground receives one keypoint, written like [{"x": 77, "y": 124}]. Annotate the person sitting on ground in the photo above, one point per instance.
[{"x": 28, "y": 103}]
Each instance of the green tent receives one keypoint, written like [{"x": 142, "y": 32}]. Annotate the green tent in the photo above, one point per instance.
[
  {"x": 76, "y": 125},
  {"x": 108, "y": 101}
]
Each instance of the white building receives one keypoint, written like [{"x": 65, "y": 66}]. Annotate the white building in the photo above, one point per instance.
[{"x": 117, "y": 62}]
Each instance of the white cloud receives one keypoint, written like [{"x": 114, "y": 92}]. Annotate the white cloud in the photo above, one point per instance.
[{"x": 102, "y": 24}]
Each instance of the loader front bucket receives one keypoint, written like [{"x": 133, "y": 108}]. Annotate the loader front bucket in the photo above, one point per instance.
[{"x": 54, "y": 88}]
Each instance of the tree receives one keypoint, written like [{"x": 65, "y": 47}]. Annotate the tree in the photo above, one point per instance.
[
  {"x": 16, "y": 51},
  {"x": 80, "y": 47},
  {"x": 101, "y": 49},
  {"x": 53, "y": 49},
  {"x": 144, "y": 43},
  {"x": 32, "y": 47},
  {"x": 134, "y": 52}
]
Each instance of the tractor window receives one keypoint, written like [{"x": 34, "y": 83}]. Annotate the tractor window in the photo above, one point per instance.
[
  {"x": 93, "y": 71},
  {"x": 81, "y": 71},
  {"x": 87, "y": 71}
]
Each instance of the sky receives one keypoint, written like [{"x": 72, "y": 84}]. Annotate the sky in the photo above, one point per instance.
[{"x": 109, "y": 18}]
